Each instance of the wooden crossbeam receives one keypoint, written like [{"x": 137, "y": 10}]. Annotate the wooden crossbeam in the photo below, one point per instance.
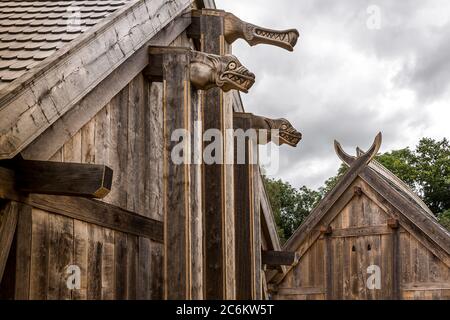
[
  {"x": 101, "y": 214},
  {"x": 57, "y": 178},
  {"x": 280, "y": 258}
]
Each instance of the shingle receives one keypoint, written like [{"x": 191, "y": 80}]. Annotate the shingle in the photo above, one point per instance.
[
  {"x": 31, "y": 31},
  {"x": 10, "y": 75}
]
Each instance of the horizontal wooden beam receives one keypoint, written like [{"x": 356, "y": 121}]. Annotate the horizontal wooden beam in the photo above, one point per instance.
[
  {"x": 361, "y": 231},
  {"x": 58, "y": 178},
  {"x": 87, "y": 210},
  {"x": 49, "y": 142},
  {"x": 7, "y": 184},
  {"x": 101, "y": 214},
  {"x": 280, "y": 258}
]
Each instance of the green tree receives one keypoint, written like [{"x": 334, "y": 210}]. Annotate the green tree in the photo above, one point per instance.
[
  {"x": 426, "y": 170},
  {"x": 444, "y": 219},
  {"x": 290, "y": 206},
  {"x": 331, "y": 182}
]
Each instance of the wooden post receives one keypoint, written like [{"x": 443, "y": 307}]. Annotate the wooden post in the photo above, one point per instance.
[
  {"x": 218, "y": 197},
  {"x": 23, "y": 253},
  {"x": 247, "y": 216},
  {"x": 396, "y": 259},
  {"x": 182, "y": 184}
]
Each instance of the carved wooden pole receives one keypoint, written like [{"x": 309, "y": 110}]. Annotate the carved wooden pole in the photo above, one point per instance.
[
  {"x": 179, "y": 69},
  {"x": 182, "y": 185},
  {"x": 217, "y": 30},
  {"x": 218, "y": 178},
  {"x": 253, "y": 130},
  {"x": 247, "y": 213}
]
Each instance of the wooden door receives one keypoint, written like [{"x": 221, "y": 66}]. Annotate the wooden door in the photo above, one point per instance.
[{"x": 352, "y": 261}]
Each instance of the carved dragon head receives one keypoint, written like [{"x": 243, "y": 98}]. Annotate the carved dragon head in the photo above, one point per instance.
[
  {"x": 226, "y": 72},
  {"x": 286, "y": 132},
  {"x": 235, "y": 29}
]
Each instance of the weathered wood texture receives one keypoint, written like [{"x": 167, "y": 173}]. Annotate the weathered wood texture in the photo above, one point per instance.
[
  {"x": 218, "y": 178},
  {"x": 126, "y": 135},
  {"x": 72, "y": 179},
  {"x": 361, "y": 237},
  {"x": 8, "y": 223},
  {"x": 113, "y": 265},
  {"x": 32, "y": 106},
  {"x": 247, "y": 217},
  {"x": 182, "y": 183}
]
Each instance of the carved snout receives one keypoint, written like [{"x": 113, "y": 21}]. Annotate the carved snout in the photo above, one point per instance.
[
  {"x": 286, "y": 39},
  {"x": 225, "y": 72},
  {"x": 235, "y": 29},
  {"x": 240, "y": 79}
]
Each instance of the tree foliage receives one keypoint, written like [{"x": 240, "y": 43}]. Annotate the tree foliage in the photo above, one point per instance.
[{"x": 290, "y": 206}]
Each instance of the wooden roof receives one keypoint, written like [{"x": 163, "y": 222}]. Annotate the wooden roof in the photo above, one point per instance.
[
  {"x": 43, "y": 83},
  {"x": 31, "y": 31},
  {"x": 414, "y": 214}
]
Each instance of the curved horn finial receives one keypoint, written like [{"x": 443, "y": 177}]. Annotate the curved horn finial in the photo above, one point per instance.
[
  {"x": 373, "y": 151},
  {"x": 344, "y": 156},
  {"x": 364, "y": 156}
]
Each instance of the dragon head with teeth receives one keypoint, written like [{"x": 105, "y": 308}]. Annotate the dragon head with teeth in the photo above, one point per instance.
[
  {"x": 226, "y": 72},
  {"x": 285, "y": 133},
  {"x": 235, "y": 29}
]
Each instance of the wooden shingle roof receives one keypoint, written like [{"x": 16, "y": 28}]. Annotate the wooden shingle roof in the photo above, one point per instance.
[
  {"x": 31, "y": 31},
  {"x": 53, "y": 76}
]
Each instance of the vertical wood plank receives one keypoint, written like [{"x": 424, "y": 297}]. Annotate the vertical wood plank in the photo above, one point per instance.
[
  {"x": 108, "y": 265},
  {"x": 88, "y": 142},
  {"x": 118, "y": 151},
  {"x": 23, "y": 253},
  {"x": 136, "y": 146},
  {"x": 60, "y": 256},
  {"x": 81, "y": 251},
  {"x": 121, "y": 265},
  {"x": 39, "y": 255},
  {"x": 220, "y": 276},
  {"x": 133, "y": 265},
  {"x": 177, "y": 198},
  {"x": 95, "y": 261},
  {"x": 144, "y": 270},
  {"x": 155, "y": 152},
  {"x": 72, "y": 149},
  {"x": 156, "y": 286}
]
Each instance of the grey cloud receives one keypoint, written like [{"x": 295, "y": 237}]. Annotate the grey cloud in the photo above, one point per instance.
[{"x": 345, "y": 81}]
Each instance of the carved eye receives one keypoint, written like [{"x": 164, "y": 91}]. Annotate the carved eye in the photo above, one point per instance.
[
  {"x": 284, "y": 127},
  {"x": 232, "y": 66}
]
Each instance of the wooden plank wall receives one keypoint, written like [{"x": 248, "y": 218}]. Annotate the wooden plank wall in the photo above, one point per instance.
[
  {"x": 335, "y": 265},
  {"x": 127, "y": 136}
]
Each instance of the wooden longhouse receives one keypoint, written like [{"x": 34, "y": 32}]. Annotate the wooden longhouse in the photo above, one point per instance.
[
  {"x": 370, "y": 222},
  {"x": 91, "y": 205}
]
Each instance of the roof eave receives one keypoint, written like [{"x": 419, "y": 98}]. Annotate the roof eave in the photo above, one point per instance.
[{"x": 32, "y": 103}]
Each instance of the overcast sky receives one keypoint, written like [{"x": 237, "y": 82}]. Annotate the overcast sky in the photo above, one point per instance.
[{"x": 351, "y": 75}]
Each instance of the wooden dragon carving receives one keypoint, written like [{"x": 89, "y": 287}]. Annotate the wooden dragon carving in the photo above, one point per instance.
[
  {"x": 235, "y": 29},
  {"x": 226, "y": 72},
  {"x": 279, "y": 131}
]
